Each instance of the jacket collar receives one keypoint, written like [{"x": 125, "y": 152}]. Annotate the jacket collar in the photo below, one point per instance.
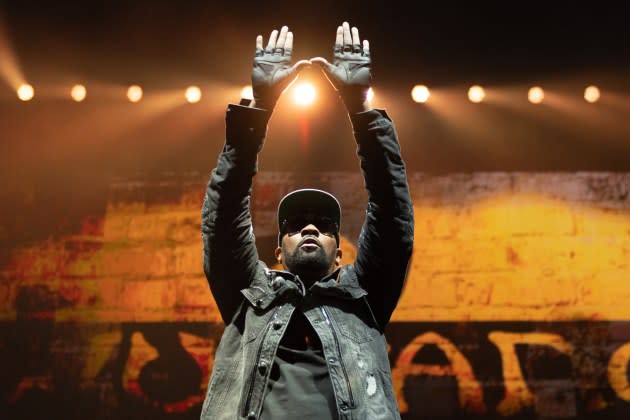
[{"x": 262, "y": 293}]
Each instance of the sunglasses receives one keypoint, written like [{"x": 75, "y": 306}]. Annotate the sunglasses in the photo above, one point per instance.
[{"x": 294, "y": 224}]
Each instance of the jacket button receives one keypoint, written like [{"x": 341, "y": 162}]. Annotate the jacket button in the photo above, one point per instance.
[
  {"x": 259, "y": 302},
  {"x": 277, "y": 282},
  {"x": 277, "y": 325},
  {"x": 262, "y": 367},
  {"x": 251, "y": 416},
  {"x": 332, "y": 360}
]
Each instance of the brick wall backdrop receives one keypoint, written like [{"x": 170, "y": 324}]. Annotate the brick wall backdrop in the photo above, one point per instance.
[{"x": 517, "y": 302}]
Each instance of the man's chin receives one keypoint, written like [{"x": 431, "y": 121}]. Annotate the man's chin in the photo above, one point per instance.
[{"x": 308, "y": 267}]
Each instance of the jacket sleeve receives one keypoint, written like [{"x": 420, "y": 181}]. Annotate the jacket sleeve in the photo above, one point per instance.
[
  {"x": 230, "y": 258},
  {"x": 386, "y": 239}
]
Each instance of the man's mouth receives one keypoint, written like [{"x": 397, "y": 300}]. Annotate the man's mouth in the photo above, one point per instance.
[{"x": 309, "y": 243}]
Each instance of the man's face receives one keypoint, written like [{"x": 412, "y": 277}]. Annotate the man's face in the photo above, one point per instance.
[{"x": 309, "y": 248}]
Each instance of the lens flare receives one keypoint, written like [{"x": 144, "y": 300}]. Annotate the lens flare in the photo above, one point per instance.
[
  {"x": 25, "y": 92},
  {"x": 304, "y": 94},
  {"x": 476, "y": 94},
  {"x": 134, "y": 93},
  {"x": 193, "y": 94},
  {"x": 536, "y": 95},
  {"x": 78, "y": 93},
  {"x": 420, "y": 93},
  {"x": 591, "y": 94}
]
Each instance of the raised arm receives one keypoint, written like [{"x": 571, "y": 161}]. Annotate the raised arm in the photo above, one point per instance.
[
  {"x": 230, "y": 255},
  {"x": 386, "y": 239}
]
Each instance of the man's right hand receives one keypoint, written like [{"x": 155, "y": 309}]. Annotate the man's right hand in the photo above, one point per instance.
[{"x": 273, "y": 72}]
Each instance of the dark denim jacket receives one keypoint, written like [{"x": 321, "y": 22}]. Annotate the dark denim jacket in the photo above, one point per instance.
[{"x": 348, "y": 310}]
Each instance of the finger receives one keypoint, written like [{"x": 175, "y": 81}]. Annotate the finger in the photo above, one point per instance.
[
  {"x": 288, "y": 44},
  {"x": 272, "y": 41},
  {"x": 300, "y": 65},
  {"x": 279, "y": 48},
  {"x": 366, "y": 47},
  {"x": 322, "y": 63},
  {"x": 339, "y": 39},
  {"x": 356, "y": 41},
  {"x": 347, "y": 37},
  {"x": 259, "y": 45}
]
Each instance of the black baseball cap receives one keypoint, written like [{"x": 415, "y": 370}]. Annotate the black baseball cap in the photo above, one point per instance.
[{"x": 308, "y": 200}]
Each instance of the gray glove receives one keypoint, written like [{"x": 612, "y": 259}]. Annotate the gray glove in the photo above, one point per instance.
[
  {"x": 350, "y": 72},
  {"x": 273, "y": 72}
]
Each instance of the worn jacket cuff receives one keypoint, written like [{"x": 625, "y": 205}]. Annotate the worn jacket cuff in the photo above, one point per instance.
[
  {"x": 361, "y": 121},
  {"x": 245, "y": 127}
]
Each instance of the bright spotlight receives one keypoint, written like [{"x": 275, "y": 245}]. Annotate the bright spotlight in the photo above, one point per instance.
[
  {"x": 591, "y": 94},
  {"x": 535, "y": 95},
  {"x": 476, "y": 94},
  {"x": 134, "y": 93},
  {"x": 25, "y": 92},
  {"x": 193, "y": 94},
  {"x": 247, "y": 93},
  {"x": 420, "y": 93},
  {"x": 304, "y": 94},
  {"x": 370, "y": 95},
  {"x": 78, "y": 93}
]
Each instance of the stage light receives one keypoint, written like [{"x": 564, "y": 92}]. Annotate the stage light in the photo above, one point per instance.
[
  {"x": 78, "y": 93},
  {"x": 193, "y": 94},
  {"x": 247, "y": 93},
  {"x": 476, "y": 94},
  {"x": 535, "y": 95},
  {"x": 591, "y": 94},
  {"x": 304, "y": 94},
  {"x": 370, "y": 95},
  {"x": 420, "y": 93},
  {"x": 134, "y": 93},
  {"x": 25, "y": 92}
]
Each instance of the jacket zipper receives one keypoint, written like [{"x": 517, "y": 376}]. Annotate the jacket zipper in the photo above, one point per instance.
[
  {"x": 343, "y": 367},
  {"x": 252, "y": 379}
]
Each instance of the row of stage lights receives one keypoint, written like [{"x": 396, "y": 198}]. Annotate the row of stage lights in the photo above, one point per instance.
[
  {"x": 304, "y": 93},
  {"x": 78, "y": 93},
  {"x": 477, "y": 94}
]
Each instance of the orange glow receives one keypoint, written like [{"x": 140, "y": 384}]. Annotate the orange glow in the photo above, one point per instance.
[
  {"x": 304, "y": 94},
  {"x": 476, "y": 94},
  {"x": 370, "y": 94},
  {"x": 535, "y": 95},
  {"x": 420, "y": 93},
  {"x": 25, "y": 92},
  {"x": 78, "y": 93},
  {"x": 591, "y": 94},
  {"x": 9, "y": 69},
  {"x": 134, "y": 93},
  {"x": 193, "y": 94},
  {"x": 247, "y": 93}
]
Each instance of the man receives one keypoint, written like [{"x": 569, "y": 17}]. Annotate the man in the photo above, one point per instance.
[{"x": 306, "y": 342}]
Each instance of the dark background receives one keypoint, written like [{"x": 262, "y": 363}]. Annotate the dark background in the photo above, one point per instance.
[{"x": 165, "y": 46}]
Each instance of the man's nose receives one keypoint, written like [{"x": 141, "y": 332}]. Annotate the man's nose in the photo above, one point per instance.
[{"x": 309, "y": 229}]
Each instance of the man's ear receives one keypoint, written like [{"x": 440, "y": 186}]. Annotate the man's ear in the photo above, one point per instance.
[
  {"x": 338, "y": 257},
  {"x": 278, "y": 254}
]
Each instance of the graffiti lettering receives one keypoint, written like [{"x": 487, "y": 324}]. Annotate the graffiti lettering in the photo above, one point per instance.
[
  {"x": 470, "y": 393},
  {"x": 618, "y": 372}
]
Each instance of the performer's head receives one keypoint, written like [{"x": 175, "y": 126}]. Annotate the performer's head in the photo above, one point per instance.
[{"x": 308, "y": 238}]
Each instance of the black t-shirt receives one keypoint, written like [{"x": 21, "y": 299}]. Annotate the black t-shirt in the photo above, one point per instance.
[{"x": 299, "y": 385}]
